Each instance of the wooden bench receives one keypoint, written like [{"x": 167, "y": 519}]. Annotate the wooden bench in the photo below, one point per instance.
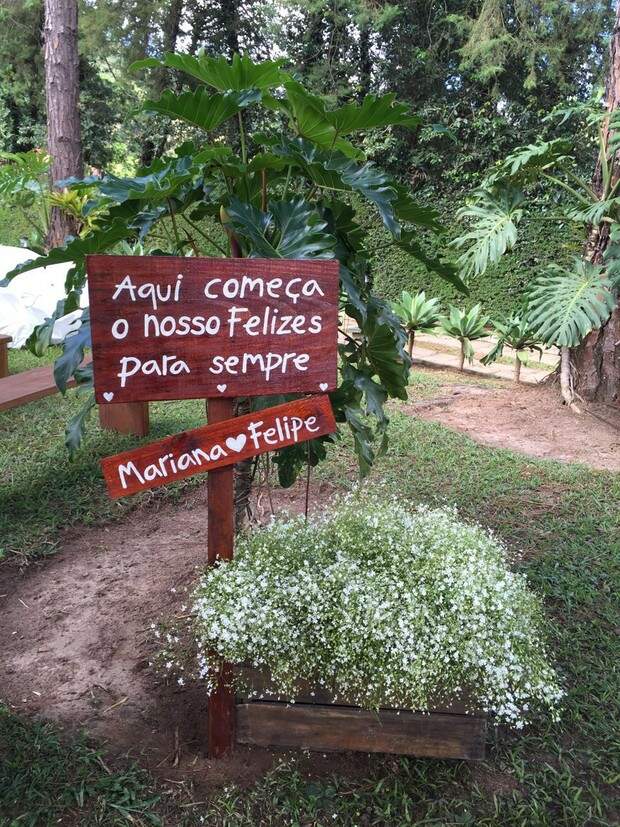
[{"x": 30, "y": 385}]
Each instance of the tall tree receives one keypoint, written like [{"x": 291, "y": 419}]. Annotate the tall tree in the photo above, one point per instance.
[
  {"x": 596, "y": 362},
  {"x": 62, "y": 96}
]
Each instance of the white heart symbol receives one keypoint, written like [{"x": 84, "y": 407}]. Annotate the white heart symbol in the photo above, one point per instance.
[
  {"x": 236, "y": 443},
  {"x": 323, "y": 386},
  {"x": 222, "y": 388},
  {"x": 108, "y": 396}
]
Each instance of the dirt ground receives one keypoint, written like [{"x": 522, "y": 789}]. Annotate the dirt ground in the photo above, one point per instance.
[
  {"x": 529, "y": 420},
  {"x": 76, "y": 626}
]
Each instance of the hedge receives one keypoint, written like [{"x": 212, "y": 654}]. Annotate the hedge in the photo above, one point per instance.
[{"x": 499, "y": 290}]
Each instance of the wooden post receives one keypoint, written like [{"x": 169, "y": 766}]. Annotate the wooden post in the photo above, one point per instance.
[
  {"x": 220, "y": 544},
  {"x": 125, "y": 417},
  {"x": 4, "y": 355}
]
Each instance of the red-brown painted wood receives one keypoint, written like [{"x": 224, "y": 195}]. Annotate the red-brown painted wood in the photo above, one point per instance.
[
  {"x": 125, "y": 417},
  {"x": 219, "y": 444},
  {"x": 264, "y": 326},
  {"x": 220, "y": 545}
]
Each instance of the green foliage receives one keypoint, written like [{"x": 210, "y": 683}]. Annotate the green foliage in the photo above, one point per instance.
[
  {"x": 24, "y": 185},
  {"x": 566, "y": 304},
  {"x": 466, "y": 326},
  {"x": 417, "y": 313},
  {"x": 496, "y": 215},
  {"x": 515, "y": 332},
  {"x": 289, "y": 199}
]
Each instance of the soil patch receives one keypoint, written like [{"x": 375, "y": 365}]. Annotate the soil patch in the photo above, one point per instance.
[
  {"x": 77, "y": 638},
  {"x": 528, "y": 420}
]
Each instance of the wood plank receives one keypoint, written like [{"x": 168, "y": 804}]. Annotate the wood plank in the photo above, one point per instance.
[
  {"x": 216, "y": 445},
  {"x": 28, "y": 386},
  {"x": 220, "y": 545},
  {"x": 4, "y": 355},
  {"x": 310, "y": 693},
  {"x": 339, "y": 729},
  {"x": 169, "y": 327},
  {"x": 125, "y": 417}
]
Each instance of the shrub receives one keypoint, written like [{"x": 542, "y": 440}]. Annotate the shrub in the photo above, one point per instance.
[{"x": 381, "y": 606}]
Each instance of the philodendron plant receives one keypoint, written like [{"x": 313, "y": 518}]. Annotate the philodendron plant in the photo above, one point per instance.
[
  {"x": 286, "y": 190},
  {"x": 466, "y": 326}
]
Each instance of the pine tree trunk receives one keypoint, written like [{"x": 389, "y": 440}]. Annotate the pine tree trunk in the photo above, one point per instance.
[
  {"x": 596, "y": 361},
  {"x": 365, "y": 63},
  {"x": 62, "y": 86}
]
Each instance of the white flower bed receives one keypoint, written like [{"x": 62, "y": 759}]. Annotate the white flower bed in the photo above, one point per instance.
[{"x": 382, "y": 606}]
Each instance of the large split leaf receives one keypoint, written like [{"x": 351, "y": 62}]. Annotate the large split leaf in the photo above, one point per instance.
[
  {"x": 199, "y": 108},
  {"x": 240, "y": 74},
  {"x": 526, "y": 162},
  {"x": 290, "y": 229},
  {"x": 494, "y": 215},
  {"x": 72, "y": 353},
  {"x": 308, "y": 113},
  {"x": 374, "y": 111},
  {"x": 565, "y": 305}
]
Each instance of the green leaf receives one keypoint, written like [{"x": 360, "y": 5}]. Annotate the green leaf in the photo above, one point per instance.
[
  {"x": 197, "y": 108},
  {"x": 445, "y": 269},
  {"x": 383, "y": 357},
  {"x": 290, "y": 229},
  {"x": 308, "y": 113},
  {"x": 41, "y": 337},
  {"x": 76, "y": 250},
  {"x": 409, "y": 210},
  {"x": 565, "y": 305},
  {"x": 363, "y": 438},
  {"x": 374, "y": 111},
  {"x": 526, "y": 162},
  {"x": 76, "y": 426},
  {"x": 72, "y": 353},
  {"x": 495, "y": 215},
  {"x": 238, "y": 75}
]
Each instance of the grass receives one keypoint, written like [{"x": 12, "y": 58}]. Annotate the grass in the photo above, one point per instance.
[{"x": 564, "y": 520}]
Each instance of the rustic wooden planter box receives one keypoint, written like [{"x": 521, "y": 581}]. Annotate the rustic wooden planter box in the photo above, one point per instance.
[{"x": 315, "y": 722}]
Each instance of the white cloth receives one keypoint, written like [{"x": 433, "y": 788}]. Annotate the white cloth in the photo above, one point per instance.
[{"x": 32, "y": 296}]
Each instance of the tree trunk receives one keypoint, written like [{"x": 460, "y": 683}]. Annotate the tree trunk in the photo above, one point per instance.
[
  {"x": 152, "y": 148},
  {"x": 462, "y": 356},
  {"x": 517, "y": 374},
  {"x": 411, "y": 342},
  {"x": 365, "y": 60},
  {"x": 62, "y": 88},
  {"x": 596, "y": 361}
]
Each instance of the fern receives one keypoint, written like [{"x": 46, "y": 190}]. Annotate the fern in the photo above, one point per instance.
[
  {"x": 565, "y": 305},
  {"x": 495, "y": 215}
]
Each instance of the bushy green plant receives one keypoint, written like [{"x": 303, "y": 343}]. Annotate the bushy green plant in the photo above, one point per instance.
[
  {"x": 466, "y": 326},
  {"x": 283, "y": 192},
  {"x": 514, "y": 332},
  {"x": 418, "y": 315},
  {"x": 381, "y": 606}
]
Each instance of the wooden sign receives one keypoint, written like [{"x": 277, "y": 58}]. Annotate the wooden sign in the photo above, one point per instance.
[
  {"x": 167, "y": 327},
  {"x": 214, "y": 446}
]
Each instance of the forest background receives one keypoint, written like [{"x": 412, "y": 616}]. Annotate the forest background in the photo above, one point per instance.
[{"x": 483, "y": 74}]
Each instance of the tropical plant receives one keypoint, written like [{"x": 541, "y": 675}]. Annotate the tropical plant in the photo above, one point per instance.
[
  {"x": 514, "y": 332},
  {"x": 313, "y": 601},
  {"x": 287, "y": 192},
  {"x": 466, "y": 326},
  {"x": 565, "y": 304},
  {"x": 418, "y": 315},
  {"x": 24, "y": 185}
]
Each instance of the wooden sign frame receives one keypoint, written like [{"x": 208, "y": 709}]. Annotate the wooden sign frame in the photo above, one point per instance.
[{"x": 169, "y": 327}]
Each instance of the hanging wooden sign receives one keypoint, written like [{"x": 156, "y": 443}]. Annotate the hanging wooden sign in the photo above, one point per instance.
[
  {"x": 167, "y": 327},
  {"x": 214, "y": 446}
]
